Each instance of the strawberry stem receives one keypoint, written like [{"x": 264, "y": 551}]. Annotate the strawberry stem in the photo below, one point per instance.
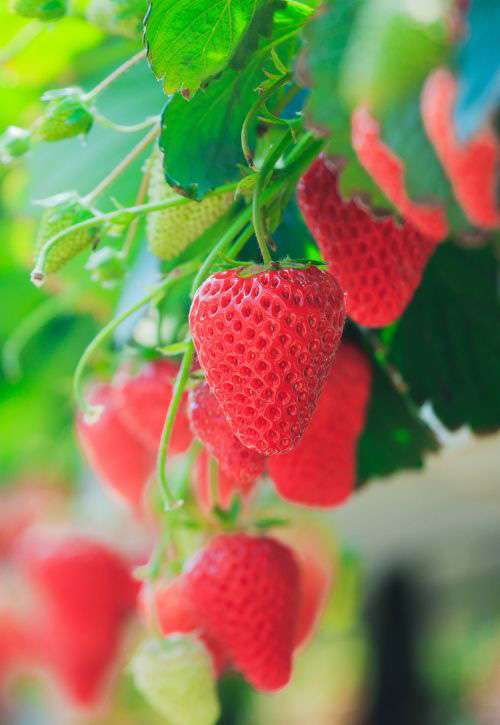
[
  {"x": 91, "y": 411},
  {"x": 259, "y": 103},
  {"x": 123, "y": 68},
  {"x": 123, "y": 165},
  {"x": 121, "y": 128},
  {"x": 257, "y": 200},
  {"x": 169, "y": 501}
]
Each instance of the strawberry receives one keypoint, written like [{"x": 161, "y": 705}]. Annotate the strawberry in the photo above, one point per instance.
[
  {"x": 118, "y": 17},
  {"x": 40, "y": 9},
  {"x": 14, "y": 142},
  {"x": 117, "y": 456},
  {"x": 60, "y": 212},
  {"x": 377, "y": 261},
  {"x": 242, "y": 465},
  {"x": 170, "y": 231},
  {"x": 65, "y": 115},
  {"x": 142, "y": 402},
  {"x": 227, "y": 487},
  {"x": 266, "y": 342},
  {"x": 85, "y": 592},
  {"x": 321, "y": 470},
  {"x": 176, "y": 677},
  {"x": 176, "y": 614},
  {"x": 388, "y": 171},
  {"x": 472, "y": 167},
  {"x": 246, "y": 593},
  {"x": 18, "y": 644}
]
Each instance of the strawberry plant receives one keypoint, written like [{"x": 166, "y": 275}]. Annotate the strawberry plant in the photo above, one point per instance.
[{"x": 266, "y": 249}]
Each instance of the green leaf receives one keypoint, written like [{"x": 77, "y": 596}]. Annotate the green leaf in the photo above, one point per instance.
[
  {"x": 191, "y": 41},
  {"x": 447, "y": 344},
  {"x": 395, "y": 437},
  {"x": 478, "y": 68},
  {"x": 391, "y": 50},
  {"x": 403, "y": 131},
  {"x": 201, "y": 139}
]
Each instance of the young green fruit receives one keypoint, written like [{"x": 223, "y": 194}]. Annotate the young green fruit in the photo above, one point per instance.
[
  {"x": 65, "y": 115},
  {"x": 176, "y": 676},
  {"x": 118, "y": 17},
  {"x": 170, "y": 231},
  {"x": 41, "y": 9},
  {"x": 60, "y": 212},
  {"x": 14, "y": 142}
]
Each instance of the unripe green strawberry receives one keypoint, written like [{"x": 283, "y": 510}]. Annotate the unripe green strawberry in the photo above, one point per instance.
[
  {"x": 172, "y": 230},
  {"x": 63, "y": 211},
  {"x": 65, "y": 115},
  {"x": 118, "y": 17},
  {"x": 106, "y": 266},
  {"x": 41, "y": 9},
  {"x": 14, "y": 142},
  {"x": 176, "y": 676}
]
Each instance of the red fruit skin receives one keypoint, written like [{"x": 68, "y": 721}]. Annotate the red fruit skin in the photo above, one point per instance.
[
  {"x": 85, "y": 592},
  {"x": 227, "y": 487},
  {"x": 208, "y": 423},
  {"x": 378, "y": 262},
  {"x": 472, "y": 167},
  {"x": 388, "y": 171},
  {"x": 246, "y": 592},
  {"x": 176, "y": 615},
  {"x": 113, "y": 452},
  {"x": 142, "y": 402},
  {"x": 266, "y": 343},
  {"x": 18, "y": 644},
  {"x": 321, "y": 470}
]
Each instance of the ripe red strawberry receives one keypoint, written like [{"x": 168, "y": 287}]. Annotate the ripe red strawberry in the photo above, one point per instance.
[
  {"x": 208, "y": 423},
  {"x": 142, "y": 402},
  {"x": 266, "y": 342},
  {"x": 227, "y": 487},
  {"x": 472, "y": 167},
  {"x": 246, "y": 592},
  {"x": 321, "y": 470},
  {"x": 176, "y": 614},
  {"x": 377, "y": 261},
  {"x": 85, "y": 592},
  {"x": 117, "y": 456},
  {"x": 387, "y": 170}
]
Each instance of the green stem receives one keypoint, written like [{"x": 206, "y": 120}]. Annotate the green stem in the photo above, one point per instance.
[
  {"x": 303, "y": 154},
  {"x": 240, "y": 242},
  {"x": 176, "y": 348},
  {"x": 213, "y": 474},
  {"x": 128, "y": 213},
  {"x": 91, "y": 411},
  {"x": 115, "y": 74},
  {"x": 245, "y": 145},
  {"x": 257, "y": 205},
  {"x": 123, "y": 165},
  {"x": 21, "y": 40},
  {"x": 169, "y": 500},
  {"x": 121, "y": 128}
]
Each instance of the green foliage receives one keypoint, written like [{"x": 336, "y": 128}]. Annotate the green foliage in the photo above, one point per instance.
[
  {"x": 215, "y": 33},
  {"x": 40, "y": 9},
  {"x": 394, "y": 437},
  {"x": 447, "y": 345}
]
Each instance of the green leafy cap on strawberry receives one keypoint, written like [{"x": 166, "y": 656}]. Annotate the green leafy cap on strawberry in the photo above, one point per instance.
[
  {"x": 41, "y": 9},
  {"x": 66, "y": 114},
  {"x": 176, "y": 676},
  {"x": 14, "y": 142}
]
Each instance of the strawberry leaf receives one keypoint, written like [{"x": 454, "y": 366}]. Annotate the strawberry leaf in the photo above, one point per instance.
[
  {"x": 191, "y": 41},
  {"x": 404, "y": 133},
  {"x": 395, "y": 437},
  {"x": 447, "y": 345}
]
